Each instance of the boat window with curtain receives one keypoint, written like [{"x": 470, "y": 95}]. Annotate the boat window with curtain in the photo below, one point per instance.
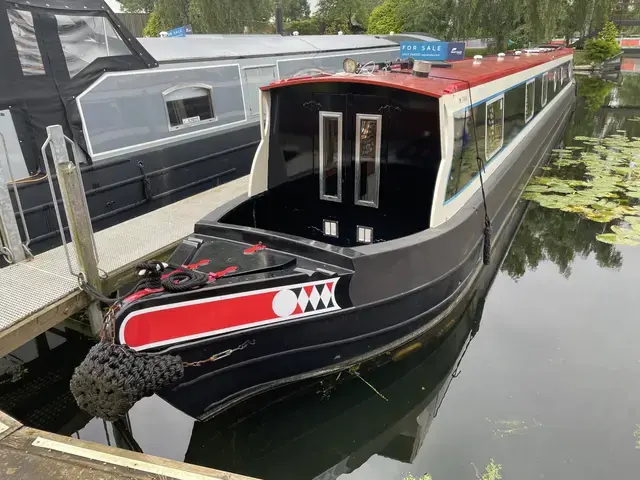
[
  {"x": 189, "y": 105},
  {"x": 545, "y": 88},
  {"x": 367, "y": 164},
  {"x": 494, "y": 127},
  {"x": 529, "y": 100},
  {"x": 331, "y": 156},
  {"x": 468, "y": 143}
]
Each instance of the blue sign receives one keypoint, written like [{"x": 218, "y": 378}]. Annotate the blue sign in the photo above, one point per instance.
[
  {"x": 455, "y": 51},
  {"x": 432, "y": 50},
  {"x": 180, "y": 31}
]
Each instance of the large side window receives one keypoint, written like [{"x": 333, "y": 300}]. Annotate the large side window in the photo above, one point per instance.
[
  {"x": 86, "y": 38},
  {"x": 367, "y": 165},
  {"x": 331, "y": 156},
  {"x": 466, "y": 148},
  {"x": 24, "y": 36},
  {"x": 529, "y": 101},
  {"x": 545, "y": 88},
  {"x": 255, "y": 77},
  {"x": 494, "y": 126},
  {"x": 189, "y": 105}
]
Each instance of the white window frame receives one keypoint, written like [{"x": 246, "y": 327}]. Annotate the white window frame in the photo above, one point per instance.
[
  {"x": 175, "y": 88},
  {"x": 531, "y": 82},
  {"x": 555, "y": 80},
  {"x": 376, "y": 192},
  {"x": 322, "y": 115},
  {"x": 545, "y": 89},
  {"x": 489, "y": 155}
]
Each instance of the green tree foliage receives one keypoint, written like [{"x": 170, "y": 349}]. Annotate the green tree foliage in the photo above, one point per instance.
[
  {"x": 348, "y": 16},
  {"x": 229, "y": 16},
  {"x": 154, "y": 25},
  {"x": 293, "y": 10},
  {"x": 384, "y": 19},
  {"x": 305, "y": 26},
  {"x": 141, "y": 6},
  {"x": 605, "y": 46}
]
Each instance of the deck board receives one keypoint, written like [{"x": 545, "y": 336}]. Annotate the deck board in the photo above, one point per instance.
[{"x": 43, "y": 286}]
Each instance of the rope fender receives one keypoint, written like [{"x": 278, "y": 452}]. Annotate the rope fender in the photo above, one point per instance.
[{"x": 112, "y": 378}]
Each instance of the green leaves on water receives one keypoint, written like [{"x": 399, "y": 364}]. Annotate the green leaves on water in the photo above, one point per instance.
[{"x": 599, "y": 180}]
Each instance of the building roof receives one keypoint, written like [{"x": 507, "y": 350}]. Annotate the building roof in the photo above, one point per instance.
[
  {"x": 209, "y": 47},
  {"x": 442, "y": 81}
]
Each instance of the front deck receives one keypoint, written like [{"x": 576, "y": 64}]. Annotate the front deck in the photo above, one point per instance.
[{"x": 38, "y": 294}]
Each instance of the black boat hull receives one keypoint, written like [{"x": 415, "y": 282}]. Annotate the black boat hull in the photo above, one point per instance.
[{"x": 380, "y": 315}]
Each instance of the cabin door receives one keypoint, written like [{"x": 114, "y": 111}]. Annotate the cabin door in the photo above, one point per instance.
[{"x": 351, "y": 152}]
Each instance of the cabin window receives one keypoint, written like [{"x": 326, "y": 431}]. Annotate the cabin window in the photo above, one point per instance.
[
  {"x": 24, "y": 36},
  {"x": 466, "y": 148},
  {"x": 562, "y": 76},
  {"x": 367, "y": 164},
  {"x": 544, "y": 89},
  {"x": 331, "y": 156},
  {"x": 189, "y": 105},
  {"x": 494, "y": 126},
  {"x": 87, "y": 38},
  {"x": 555, "y": 80},
  {"x": 255, "y": 77},
  {"x": 530, "y": 98}
]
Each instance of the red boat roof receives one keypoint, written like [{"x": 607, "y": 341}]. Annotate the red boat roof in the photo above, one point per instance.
[{"x": 441, "y": 81}]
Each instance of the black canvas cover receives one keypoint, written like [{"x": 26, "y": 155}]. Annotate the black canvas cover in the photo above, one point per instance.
[{"x": 35, "y": 81}]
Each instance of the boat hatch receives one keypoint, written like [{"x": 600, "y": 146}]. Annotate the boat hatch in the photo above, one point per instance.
[{"x": 349, "y": 164}]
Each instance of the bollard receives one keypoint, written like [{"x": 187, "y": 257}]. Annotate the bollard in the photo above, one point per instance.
[{"x": 78, "y": 217}]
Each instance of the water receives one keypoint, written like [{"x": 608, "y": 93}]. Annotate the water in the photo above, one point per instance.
[{"x": 540, "y": 374}]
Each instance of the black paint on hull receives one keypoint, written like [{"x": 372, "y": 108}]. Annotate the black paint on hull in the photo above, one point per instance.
[{"x": 389, "y": 308}]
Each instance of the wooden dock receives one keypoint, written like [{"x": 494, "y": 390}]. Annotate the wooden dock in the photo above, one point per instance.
[
  {"x": 28, "y": 454},
  {"x": 37, "y": 294}
]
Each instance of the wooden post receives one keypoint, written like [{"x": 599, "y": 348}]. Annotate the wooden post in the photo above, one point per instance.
[{"x": 78, "y": 217}]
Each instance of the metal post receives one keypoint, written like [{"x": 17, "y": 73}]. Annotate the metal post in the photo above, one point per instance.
[
  {"x": 8, "y": 225},
  {"x": 78, "y": 217}
]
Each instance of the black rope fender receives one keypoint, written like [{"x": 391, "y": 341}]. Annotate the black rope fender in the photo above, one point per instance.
[{"x": 112, "y": 378}]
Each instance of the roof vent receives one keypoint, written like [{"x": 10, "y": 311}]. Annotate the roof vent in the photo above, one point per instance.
[
  {"x": 477, "y": 57},
  {"x": 518, "y": 52},
  {"x": 500, "y": 56},
  {"x": 421, "y": 68}
]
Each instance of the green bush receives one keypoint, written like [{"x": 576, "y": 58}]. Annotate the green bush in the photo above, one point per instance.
[
  {"x": 154, "y": 25},
  {"x": 305, "y": 26},
  {"x": 385, "y": 19},
  {"x": 605, "y": 46}
]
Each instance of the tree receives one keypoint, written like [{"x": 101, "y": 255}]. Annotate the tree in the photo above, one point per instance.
[
  {"x": 305, "y": 26},
  {"x": 141, "y": 6},
  {"x": 295, "y": 10},
  {"x": 605, "y": 46},
  {"x": 349, "y": 16},
  {"x": 384, "y": 19},
  {"x": 229, "y": 16}
]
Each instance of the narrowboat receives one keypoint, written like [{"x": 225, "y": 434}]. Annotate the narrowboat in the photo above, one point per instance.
[
  {"x": 154, "y": 119},
  {"x": 376, "y": 198}
]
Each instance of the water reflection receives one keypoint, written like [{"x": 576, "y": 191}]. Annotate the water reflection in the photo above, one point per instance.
[{"x": 558, "y": 237}]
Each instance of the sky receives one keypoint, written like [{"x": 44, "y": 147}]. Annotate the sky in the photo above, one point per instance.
[{"x": 115, "y": 6}]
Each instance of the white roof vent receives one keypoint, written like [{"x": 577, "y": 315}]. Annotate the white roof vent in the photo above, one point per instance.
[
  {"x": 518, "y": 52},
  {"x": 500, "y": 57},
  {"x": 477, "y": 57},
  {"x": 295, "y": 34}
]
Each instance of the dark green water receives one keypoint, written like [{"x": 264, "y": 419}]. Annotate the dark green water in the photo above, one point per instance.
[{"x": 539, "y": 370}]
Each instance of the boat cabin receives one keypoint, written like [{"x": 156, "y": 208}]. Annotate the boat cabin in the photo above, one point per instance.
[{"x": 356, "y": 158}]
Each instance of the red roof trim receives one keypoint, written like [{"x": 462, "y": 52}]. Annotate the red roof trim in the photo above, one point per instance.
[{"x": 436, "y": 85}]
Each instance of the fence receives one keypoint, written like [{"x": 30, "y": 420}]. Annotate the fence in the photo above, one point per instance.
[{"x": 134, "y": 22}]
